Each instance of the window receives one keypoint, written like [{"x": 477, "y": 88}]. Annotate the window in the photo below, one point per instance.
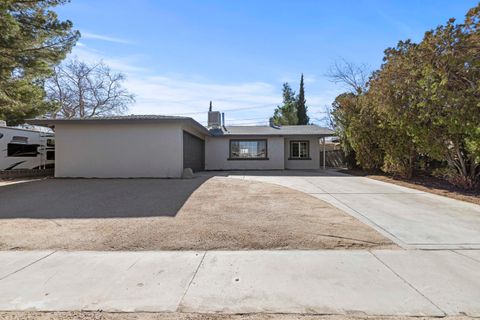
[
  {"x": 22, "y": 150},
  {"x": 248, "y": 149},
  {"x": 50, "y": 143},
  {"x": 50, "y": 155},
  {"x": 300, "y": 150}
]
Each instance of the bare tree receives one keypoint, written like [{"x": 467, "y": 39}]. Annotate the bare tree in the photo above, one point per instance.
[
  {"x": 330, "y": 123},
  {"x": 354, "y": 76},
  {"x": 83, "y": 90},
  {"x": 324, "y": 117}
]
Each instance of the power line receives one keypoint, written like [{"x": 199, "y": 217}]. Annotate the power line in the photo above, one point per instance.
[
  {"x": 235, "y": 109},
  {"x": 261, "y": 118},
  {"x": 241, "y": 119},
  {"x": 262, "y": 106},
  {"x": 247, "y": 124}
]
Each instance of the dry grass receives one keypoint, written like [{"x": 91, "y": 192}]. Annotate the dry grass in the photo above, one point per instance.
[{"x": 223, "y": 213}]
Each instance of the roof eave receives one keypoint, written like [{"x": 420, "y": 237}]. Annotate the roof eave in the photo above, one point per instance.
[
  {"x": 321, "y": 135},
  {"x": 53, "y": 122}
]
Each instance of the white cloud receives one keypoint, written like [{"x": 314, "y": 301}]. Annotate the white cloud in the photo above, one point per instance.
[
  {"x": 243, "y": 103},
  {"x": 177, "y": 94},
  {"x": 168, "y": 95},
  {"x": 126, "y": 64},
  {"x": 95, "y": 36}
]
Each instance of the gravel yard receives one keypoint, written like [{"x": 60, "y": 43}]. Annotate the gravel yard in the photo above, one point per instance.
[{"x": 160, "y": 214}]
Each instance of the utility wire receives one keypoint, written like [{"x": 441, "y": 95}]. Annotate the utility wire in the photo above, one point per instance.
[{"x": 263, "y": 106}]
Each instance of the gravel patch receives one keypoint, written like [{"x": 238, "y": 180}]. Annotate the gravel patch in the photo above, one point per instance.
[{"x": 216, "y": 213}]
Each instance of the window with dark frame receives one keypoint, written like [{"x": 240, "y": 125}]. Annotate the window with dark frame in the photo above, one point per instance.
[
  {"x": 300, "y": 149},
  {"x": 50, "y": 155},
  {"x": 22, "y": 150},
  {"x": 248, "y": 149}
]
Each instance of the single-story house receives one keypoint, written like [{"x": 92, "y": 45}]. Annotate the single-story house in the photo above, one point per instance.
[{"x": 162, "y": 146}]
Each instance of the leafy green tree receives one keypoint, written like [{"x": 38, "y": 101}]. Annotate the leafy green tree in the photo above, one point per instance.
[
  {"x": 390, "y": 93},
  {"x": 301, "y": 105},
  {"x": 450, "y": 95},
  {"x": 344, "y": 109},
  {"x": 32, "y": 41},
  {"x": 364, "y": 135},
  {"x": 357, "y": 127},
  {"x": 428, "y": 94},
  {"x": 347, "y": 114},
  {"x": 423, "y": 101},
  {"x": 286, "y": 114}
]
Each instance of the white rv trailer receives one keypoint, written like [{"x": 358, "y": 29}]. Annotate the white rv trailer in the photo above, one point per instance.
[{"x": 26, "y": 147}]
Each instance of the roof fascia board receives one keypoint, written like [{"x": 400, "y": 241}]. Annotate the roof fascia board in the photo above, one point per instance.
[{"x": 53, "y": 122}]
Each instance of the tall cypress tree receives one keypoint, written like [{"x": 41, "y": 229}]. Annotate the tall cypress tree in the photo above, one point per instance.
[{"x": 301, "y": 107}]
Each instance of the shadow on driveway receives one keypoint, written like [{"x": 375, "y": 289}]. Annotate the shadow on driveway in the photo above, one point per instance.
[{"x": 96, "y": 198}]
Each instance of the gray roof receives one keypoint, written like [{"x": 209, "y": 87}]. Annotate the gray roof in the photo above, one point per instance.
[
  {"x": 108, "y": 118},
  {"x": 224, "y": 131},
  {"x": 121, "y": 119},
  {"x": 299, "y": 130}
]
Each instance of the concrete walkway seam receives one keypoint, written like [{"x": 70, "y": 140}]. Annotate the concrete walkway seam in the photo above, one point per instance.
[
  {"x": 28, "y": 265},
  {"x": 466, "y": 256},
  {"x": 191, "y": 280},
  {"x": 406, "y": 282}
]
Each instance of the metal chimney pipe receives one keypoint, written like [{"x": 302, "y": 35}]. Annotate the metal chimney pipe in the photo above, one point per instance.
[{"x": 271, "y": 123}]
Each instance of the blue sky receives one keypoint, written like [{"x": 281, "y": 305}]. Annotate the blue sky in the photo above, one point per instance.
[{"x": 180, "y": 54}]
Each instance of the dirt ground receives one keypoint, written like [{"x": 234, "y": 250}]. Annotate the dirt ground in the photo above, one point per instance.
[
  {"x": 424, "y": 183},
  {"x": 192, "y": 316},
  {"x": 222, "y": 213}
]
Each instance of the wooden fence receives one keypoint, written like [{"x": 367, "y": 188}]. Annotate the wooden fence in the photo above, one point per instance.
[{"x": 333, "y": 158}]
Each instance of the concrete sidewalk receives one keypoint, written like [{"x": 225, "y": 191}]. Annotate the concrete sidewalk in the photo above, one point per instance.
[{"x": 394, "y": 282}]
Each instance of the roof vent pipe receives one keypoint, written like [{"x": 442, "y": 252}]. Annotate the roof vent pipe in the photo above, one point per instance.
[{"x": 271, "y": 123}]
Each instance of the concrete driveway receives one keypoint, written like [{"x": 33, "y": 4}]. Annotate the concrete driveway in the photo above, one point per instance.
[{"x": 411, "y": 218}]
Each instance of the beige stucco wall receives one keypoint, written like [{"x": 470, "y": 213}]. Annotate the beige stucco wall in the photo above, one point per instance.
[
  {"x": 217, "y": 154},
  {"x": 314, "y": 163},
  {"x": 110, "y": 150}
]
